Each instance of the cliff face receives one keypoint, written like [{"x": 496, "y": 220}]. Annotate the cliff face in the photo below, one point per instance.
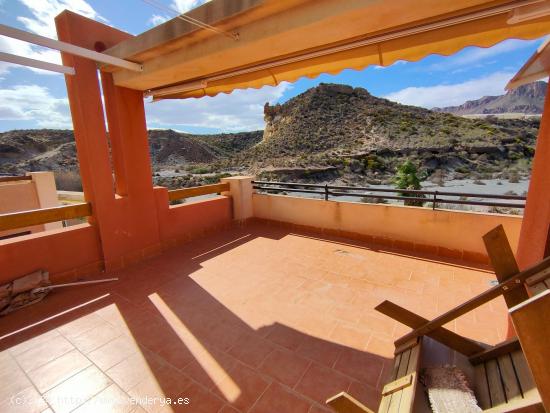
[{"x": 526, "y": 99}]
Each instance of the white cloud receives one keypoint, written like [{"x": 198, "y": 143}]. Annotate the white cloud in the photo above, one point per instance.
[
  {"x": 185, "y": 5},
  {"x": 44, "y": 12},
  {"x": 34, "y": 103},
  {"x": 476, "y": 55},
  {"x": 396, "y": 63},
  {"x": 42, "y": 23},
  {"x": 452, "y": 94},
  {"x": 20, "y": 48},
  {"x": 241, "y": 110},
  {"x": 156, "y": 19}
]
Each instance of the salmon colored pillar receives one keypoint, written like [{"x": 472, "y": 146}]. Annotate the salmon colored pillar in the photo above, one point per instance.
[
  {"x": 121, "y": 192},
  {"x": 533, "y": 239}
]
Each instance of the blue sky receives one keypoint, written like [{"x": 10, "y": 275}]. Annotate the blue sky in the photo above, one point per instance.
[{"x": 36, "y": 99}]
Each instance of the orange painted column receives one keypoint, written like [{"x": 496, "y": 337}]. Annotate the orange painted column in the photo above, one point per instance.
[
  {"x": 123, "y": 203},
  {"x": 129, "y": 143},
  {"x": 536, "y": 219}
]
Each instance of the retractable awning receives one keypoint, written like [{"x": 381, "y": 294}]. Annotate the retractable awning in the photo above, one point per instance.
[
  {"x": 536, "y": 68},
  {"x": 285, "y": 40}
]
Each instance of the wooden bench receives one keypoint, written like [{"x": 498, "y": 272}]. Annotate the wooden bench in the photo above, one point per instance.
[{"x": 501, "y": 376}]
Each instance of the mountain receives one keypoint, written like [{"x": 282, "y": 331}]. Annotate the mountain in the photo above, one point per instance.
[
  {"x": 55, "y": 150},
  {"x": 526, "y": 99},
  {"x": 331, "y": 132}
]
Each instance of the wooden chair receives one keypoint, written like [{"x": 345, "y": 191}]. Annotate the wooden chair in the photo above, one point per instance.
[{"x": 509, "y": 377}]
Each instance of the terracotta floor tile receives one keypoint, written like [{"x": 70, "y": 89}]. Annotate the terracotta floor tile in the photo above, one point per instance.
[
  {"x": 378, "y": 325},
  {"x": 317, "y": 408},
  {"x": 27, "y": 400},
  {"x": 131, "y": 371},
  {"x": 319, "y": 383},
  {"x": 346, "y": 312},
  {"x": 112, "y": 400},
  {"x": 381, "y": 346},
  {"x": 77, "y": 390},
  {"x": 228, "y": 409},
  {"x": 44, "y": 352},
  {"x": 211, "y": 368},
  {"x": 95, "y": 337},
  {"x": 321, "y": 351},
  {"x": 56, "y": 371},
  {"x": 367, "y": 395},
  {"x": 285, "y": 366},
  {"x": 363, "y": 366},
  {"x": 80, "y": 325},
  {"x": 12, "y": 377},
  {"x": 176, "y": 353},
  {"x": 152, "y": 392},
  {"x": 200, "y": 400},
  {"x": 250, "y": 384},
  {"x": 113, "y": 352},
  {"x": 251, "y": 349},
  {"x": 286, "y": 337},
  {"x": 278, "y": 398},
  {"x": 351, "y": 336},
  {"x": 33, "y": 342}
]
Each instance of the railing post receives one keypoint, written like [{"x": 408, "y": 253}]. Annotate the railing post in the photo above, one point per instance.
[
  {"x": 326, "y": 192},
  {"x": 434, "y": 201}
]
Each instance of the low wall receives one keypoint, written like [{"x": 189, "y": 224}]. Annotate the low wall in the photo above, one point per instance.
[
  {"x": 181, "y": 223},
  {"x": 442, "y": 232},
  {"x": 66, "y": 253}
]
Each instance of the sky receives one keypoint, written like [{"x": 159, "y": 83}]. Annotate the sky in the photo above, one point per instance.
[{"x": 31, "y": 98}]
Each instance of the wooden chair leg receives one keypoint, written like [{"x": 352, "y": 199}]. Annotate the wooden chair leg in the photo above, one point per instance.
[
  {"x": 504, "y": 263},
  {"x": 344, "y": 403}
]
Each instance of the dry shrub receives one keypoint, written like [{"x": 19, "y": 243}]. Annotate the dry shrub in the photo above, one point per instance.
[{"x": 68, "y": 181}]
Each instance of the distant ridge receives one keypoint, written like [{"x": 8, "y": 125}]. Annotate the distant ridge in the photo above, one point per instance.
[{"x": 526, "y": 99}]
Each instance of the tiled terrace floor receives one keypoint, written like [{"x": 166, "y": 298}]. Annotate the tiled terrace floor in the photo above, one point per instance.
[{"x": 256, "y": 319}]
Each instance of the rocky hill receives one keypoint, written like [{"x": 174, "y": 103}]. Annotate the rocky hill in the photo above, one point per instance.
[
  {"x": 526, "y": 99},
  {"x": 328, "y": 133},
  {"x": 336, "y": 131}
]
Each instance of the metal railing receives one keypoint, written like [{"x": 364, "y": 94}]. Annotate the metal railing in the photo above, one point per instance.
[{"x": 433, "y": 197}]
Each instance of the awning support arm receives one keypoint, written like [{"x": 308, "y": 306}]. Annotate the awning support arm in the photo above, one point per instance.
[{"x": 68, "y": 48}]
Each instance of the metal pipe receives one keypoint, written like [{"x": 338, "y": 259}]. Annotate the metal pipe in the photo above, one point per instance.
[
  {"x": 68, "y": 48},
  {"x": 37, "y": 64}
]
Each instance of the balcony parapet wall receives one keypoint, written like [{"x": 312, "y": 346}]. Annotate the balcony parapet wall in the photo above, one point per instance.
[{"x": 451, "y": 234}]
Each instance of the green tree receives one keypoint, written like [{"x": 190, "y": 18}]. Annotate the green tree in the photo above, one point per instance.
[{"x": 407, "y": 178}]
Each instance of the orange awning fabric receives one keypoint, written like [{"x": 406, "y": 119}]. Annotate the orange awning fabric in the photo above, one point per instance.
[
  {"x": 445, "y": 41},
  {"x": 536, "y": 68}
]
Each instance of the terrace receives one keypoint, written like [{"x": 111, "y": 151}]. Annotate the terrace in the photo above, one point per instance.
[
  {"x": 251, "y": 302},
  {"x": 260, "y": 318}
]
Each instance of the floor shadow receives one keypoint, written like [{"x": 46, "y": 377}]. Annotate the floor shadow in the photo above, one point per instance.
[{"x": 196, "y": 346}]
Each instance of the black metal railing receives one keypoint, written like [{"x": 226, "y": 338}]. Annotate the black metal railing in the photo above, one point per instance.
[{"x": 433, "y": 197}]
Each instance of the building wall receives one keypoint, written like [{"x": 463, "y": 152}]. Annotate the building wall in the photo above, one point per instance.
[
  {"x": 40, "y": 192},
  {"x": 446, "y": 233}
]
